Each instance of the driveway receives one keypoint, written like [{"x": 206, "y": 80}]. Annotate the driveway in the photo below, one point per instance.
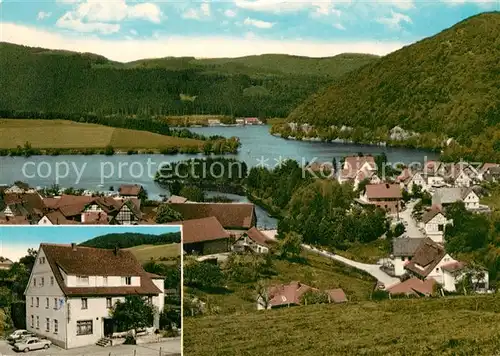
[
  {"x": 373, "y": 270},
  {"x": 170, "y": 347},
  {"x": 412, "y": 230}
]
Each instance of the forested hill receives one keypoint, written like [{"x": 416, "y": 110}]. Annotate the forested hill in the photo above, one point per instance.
[
  {"x": 130, "y": 239},
  {"x": 40, "y": 80},
  {"x": 448, "y": 83}
]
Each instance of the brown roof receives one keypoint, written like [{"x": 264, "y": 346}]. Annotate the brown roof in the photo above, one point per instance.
[
  {"x": 404, "y": 176},
  {"x": 337, "y": 295},
  {"x": 258, "y": 237},
  {"x": 230, "y": 215},
  {"x": 95, "y": 218},
  {"x": 33, "y": 202},
  {"x": 356, "y": 162},
  {"x": 130, "y": 189},
  {"x": 16, "y": 220},
  {"x": 429, "y": 215},
  {"x": 285, "y": 294},
  {"x": 383, "y": 190},
  {"x": 89, "y": 261},
  {"x": 57, "y": 218},
  {"x": 426, "y": 257},
  {"x": 413, "y": 286},
  {"x": 199, "y": 230}
]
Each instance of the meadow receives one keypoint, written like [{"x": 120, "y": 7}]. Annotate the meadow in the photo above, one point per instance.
[
  {"x": 159, "y": 253},
  {"x": 442, "y": 326},
  {"x": 47, "y": 134},
  {"x": 312, "y": 269}
]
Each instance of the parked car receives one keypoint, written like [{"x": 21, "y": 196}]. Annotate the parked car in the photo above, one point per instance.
[
  {"x": 18, "y": 334},
  {"x": 31, "y": 343}
]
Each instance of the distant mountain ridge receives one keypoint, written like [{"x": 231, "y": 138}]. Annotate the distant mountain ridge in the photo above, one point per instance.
[
  {"x": 55, "y": 81},
  {"x": 130, "y": 239}
]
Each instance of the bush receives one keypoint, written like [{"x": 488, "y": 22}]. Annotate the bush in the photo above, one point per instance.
[{"x": 380, "y": 295}]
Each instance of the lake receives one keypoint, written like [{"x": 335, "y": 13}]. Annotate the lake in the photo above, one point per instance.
[{"x": 100, "y": 172}]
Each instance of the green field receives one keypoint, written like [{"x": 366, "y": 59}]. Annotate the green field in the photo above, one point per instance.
[
  {"x": 445, "y": 326},
  {"x": 315, "y": 271},
  {"x": 44, "y": 134},
  {"x": 369, "y": 252},
  {"x": 145, "y": 253},
  {"x": 493, "y": 200}
]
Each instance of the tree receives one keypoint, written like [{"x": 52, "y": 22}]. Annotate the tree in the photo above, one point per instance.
[
  {"x": 314, "y": 297},
  {"x": 262, "y": 291},
  {"x": 192, "y": 193},
  {"x": 132, "y": 314},
  {"x": 109, "y": 150},
  {"x": 203, "y": 275},
  {"x": 291, "y": 245},
  {"x": 174, "y": 187},
  {"x": 166, "y": 214},
  {"x": 399, "y": 230}
]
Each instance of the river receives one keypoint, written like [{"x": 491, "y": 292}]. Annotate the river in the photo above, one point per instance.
[{"x": 258, "y": 147}]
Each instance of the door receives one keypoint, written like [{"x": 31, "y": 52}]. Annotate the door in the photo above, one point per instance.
[{"x": 108, "y": 327}]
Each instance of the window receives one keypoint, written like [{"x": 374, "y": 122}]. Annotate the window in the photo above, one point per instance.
[
  {"x": 42, "y": 282},
  {"x": 31, "y": 301},
  {"x": 34, "y": 282},
  {"x": 440, "y": 227},
  {"x": 51, "y": 281},
  {"x": 55, "y": 303},
  {"x": 84, "y": 327},
  {"x": 437, "y": 269},
  {"x": 84, "y": 303},
  {"x": 37, "y": 322},
  {"x": 56, "y": 326},
  {"x": 128, "y": 281},
  {"x": 109, "y": 303},
  {"x": 37, "y": 302},
  {"x": 150, "y": 300},
  {"x": 46, "y": 303},
  {"x": 42, "y": 260},
  {"x": 82, "y": 280},
  {"x": 47, "y": 324},
  {"x": 32, "y": 321},
  {"x": 105, "y": 281}
]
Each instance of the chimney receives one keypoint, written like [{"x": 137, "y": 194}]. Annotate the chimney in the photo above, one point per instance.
[{"x": 73, "y": 246}]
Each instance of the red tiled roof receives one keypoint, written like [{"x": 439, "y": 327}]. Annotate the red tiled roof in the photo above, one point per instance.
[
  {"x": 230, "y": 215},
  {"x": 130, "y": 189},
  {"x": 89, "y": 261},
  {"x": 285, "y": 294},
  {"x": 404, "y": 176},
  {"x": 337, "y": 295},
  {"x": 258, "y": 237},
  {"x": 383, "y": 190},
  {"x": 57, "y": 218},
  {"x": 95, "y": 217},
  {"x": 453, "y": 266},
  {"x": 16, "y": 220},
  {"x": 199, "y": 230},
  {"x": 426, "y": 257},
  {"x": 413, "y": 286}
]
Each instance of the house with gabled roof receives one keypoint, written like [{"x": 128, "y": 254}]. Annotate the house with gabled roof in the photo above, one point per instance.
[
  {"x": 204, "y": 236},
  {"x": 384, "y": 195},
  {"x": 413, "y": 287},
  {"x": 253, "y": 240},
  {"x": 358, "y": 168},
  {"x": 72, "y": 289},
  {"x": 403, "y": 250},
  {"x": 23, "y": 206},
  {"x": 445, "y": 196},
  {"x": 434, "y": 222},
  {"x": 19, "y": 188},
  {"x": 130, "y": 190}
]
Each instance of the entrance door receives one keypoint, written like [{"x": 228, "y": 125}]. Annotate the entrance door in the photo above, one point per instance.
[{"x": 108, "y": 327}]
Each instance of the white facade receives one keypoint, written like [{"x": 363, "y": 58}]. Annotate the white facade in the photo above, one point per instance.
[
  {"x": 71, "y": 322},
  {"x": 45, "y": 221},
  {"x": 463, "y": 180},
  {"x": 471, "y": 200},
  {"x": 399, "y": 263},
  {"x": 245, "y": 241},
  {"x": 450, "y": 280},
  {"x": 8, "y": 212},
  {"x": 14, "y": 189},
  {"x": 417, "y": 179},
  {"x": 437, "y": 273},
  {"x": 435, "y": 227}
]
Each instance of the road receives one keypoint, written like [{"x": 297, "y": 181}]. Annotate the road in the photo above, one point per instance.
[
  {"x": 169, "y": 347},
  {"x": 373, "y": 270},
  {"x": 412, "y": 230}
]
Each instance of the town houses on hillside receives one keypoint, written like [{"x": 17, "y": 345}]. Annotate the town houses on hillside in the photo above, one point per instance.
[{"x": 72, "y": 290}]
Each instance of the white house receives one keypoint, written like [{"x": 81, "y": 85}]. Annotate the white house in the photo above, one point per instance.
[
  {"x": 434, "y": 223},
  {"x": 403, "y": 250},
  {"x": 432, "y": 262},
  {"x": 417, "y": 179},
  {"x": 254, "y": 240},
  {"x": 471, "y": 199},
  {"x": 454, "y": 272},
  {"x": 72, "y": 290},
  {"x": 445, "y": 196},
  {"x": 463, "y": 179}
]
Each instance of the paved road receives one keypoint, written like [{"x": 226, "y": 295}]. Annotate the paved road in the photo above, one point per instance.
[
  {"x": 412, "y": 230},
  {"x": 169, "y": 347},
  {"x": 373, "y": 270}
]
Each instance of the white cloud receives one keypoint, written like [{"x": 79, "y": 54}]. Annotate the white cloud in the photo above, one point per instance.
[
  {"x": 283, "y": 5},
  {"x": 401, "y": 4},
  {"x": 230, "y": 13},
  {"x": 339, "y": 26},
  {"x": 43, "y": 15},
  {"x": 394, "y": 21},
  {"x": 116, "y": 11},
  {"x": 164, "y": 46},
  {"x": 198, "y": 13},
  {"x": 70, "y": 22},
  {"x": 133, "y": 32},
  {"x": 68, "y": 1},
  {"x": 258, "y": 23},
  {"x": 481, "y": 3}
]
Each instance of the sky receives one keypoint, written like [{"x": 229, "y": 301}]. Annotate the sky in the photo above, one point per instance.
[
  {"x": 126, "y": 30},
  {"x": 15, "y": 240}
]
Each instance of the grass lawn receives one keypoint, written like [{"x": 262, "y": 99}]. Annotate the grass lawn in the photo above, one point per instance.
[
  {"x": 145, "y": 253},
  {"x": 68, "y": 134},
  {"x": 367, "y": 253},
  {"x": 493, "y": 200},
  {"x": 317, "y": 271},
  {"x": 442, "y": 326}
]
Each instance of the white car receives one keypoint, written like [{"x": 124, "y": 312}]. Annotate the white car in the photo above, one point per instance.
[
  {"x": 18, "y": 334},
  {"x": 31, "y": 343}
]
